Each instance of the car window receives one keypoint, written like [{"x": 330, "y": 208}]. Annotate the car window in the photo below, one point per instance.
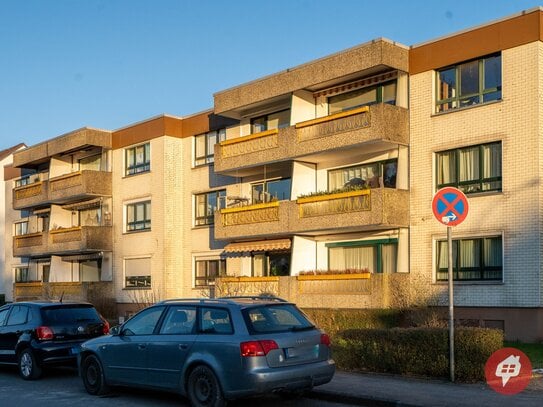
[
  {"x": 215, "y": 321},
  {"x": 179, "y": 320},
  {"x": 143, "y": 323},
  {"x": 3, "y": 315},
  {"x": 276, "y": 318},
  {"x": 18, "y": 315},
  {"x": 69, "y": 315}
]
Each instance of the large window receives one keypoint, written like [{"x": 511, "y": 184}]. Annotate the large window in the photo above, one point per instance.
[
  {"x": 371, "y": 175},
  {"x": 378, "y": 256},
  {"x": 138, "y": 216},
  {"x": 271, "y": 264},
  {"x": 206, "y": 205},
  {"x": 207, "y": 271},
  {"x": 137, "y": 272},
  {"x": 204, "y": 146},
  {"x": 21, "y": 228},
  {"x": 383, "y": 93},
  {"x": 22, "y": 275},
  {"x": 471, "y": 169},
  {"x": 276, "y": 120},
  {"x": 470, "y": 83},
  {"x": 473, "y": 259},
  {"x": 267, "y": 191},
  {"x": 138, "y": 159}
]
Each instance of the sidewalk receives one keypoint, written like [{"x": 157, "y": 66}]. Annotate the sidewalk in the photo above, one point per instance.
[{"x": 370, "y": 389}]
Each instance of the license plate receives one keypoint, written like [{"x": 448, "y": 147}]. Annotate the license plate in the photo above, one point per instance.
[
  {"x": 75, "y": 350},
  {"x": 307, "y": 351}
]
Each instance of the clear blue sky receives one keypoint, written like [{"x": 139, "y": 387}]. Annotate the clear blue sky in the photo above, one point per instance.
[{"x": 66, "y": 64}]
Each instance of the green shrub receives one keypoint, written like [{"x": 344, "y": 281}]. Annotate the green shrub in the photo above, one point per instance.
[
  {"x": 334, "y": 321},
  {"x": 416, "y": 351}
]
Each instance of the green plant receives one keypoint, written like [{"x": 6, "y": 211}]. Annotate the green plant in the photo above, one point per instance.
[
  {"x": 335, "y": 191},
  {"x": 333, "y": 272}
]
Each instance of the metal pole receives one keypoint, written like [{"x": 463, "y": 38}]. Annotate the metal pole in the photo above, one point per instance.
[{"x": 451, "y": 303}]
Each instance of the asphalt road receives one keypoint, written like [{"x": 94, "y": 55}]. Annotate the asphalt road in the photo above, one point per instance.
[{"x": 63, "y": 388}]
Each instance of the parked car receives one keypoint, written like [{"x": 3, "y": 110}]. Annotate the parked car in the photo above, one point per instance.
[
  {"x": 211, "y": 350},
  {"x": 35, "y": 334}
]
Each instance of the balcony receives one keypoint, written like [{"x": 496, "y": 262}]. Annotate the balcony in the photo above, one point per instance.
[
  {"x": 378, "y": 127},
  {"x": 361, "y": 210},
  {"x": 64, "y": 241},
  {"x": 70, "y": 187},
  {"x": 74, "y": 291}
]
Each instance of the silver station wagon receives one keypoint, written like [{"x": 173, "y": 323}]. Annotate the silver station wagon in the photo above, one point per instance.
[{"x": 211, "y": 350}]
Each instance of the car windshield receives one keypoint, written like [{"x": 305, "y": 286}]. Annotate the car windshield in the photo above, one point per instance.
[
  {"x": 276, "y": 318},
  {"x": 69, "y": 315}
]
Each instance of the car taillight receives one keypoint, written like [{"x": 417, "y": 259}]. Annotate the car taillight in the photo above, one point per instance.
[
  {"x": 44, "y": 333},
  {"x": 105, "y": 328},
  {"x": 325, "y": 340},
  {"x": 257, "y": 348}
]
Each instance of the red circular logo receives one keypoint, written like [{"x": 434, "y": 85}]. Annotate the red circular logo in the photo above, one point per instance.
[{"x": 508, "y": 371}]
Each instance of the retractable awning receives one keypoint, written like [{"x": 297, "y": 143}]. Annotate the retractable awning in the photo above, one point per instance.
[
  {"x": 258, "y": 246},
  {"x": 83, "y": 256}
]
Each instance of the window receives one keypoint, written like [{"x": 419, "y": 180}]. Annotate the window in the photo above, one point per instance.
[
  {"x": 277, "y": 120},
  {"x": 21, "y": 228},
  {"x": 138, "y": 159},
  {"x": 271, "y": 264},
  {"x": 364, "y": 175},
  {"x": 138, "y": 216},
  {"x": 384, "y": 93},
  {"x": 377, "y": 256},
  {"x": 18, "y": 315},
  {"x": 470, "y": 83},
  {"x": 143, "y": 323},
  {"x": 137, "y": 272},
  {"x": 21, "y": 275},
  {"x": 204, "y": 146},
  {"x": 471, "y": 169},
  {"x": 476, "y": 259},
  {"x": 206, "y": 205},
  {"x": 208, "y": 270},
  {"x": 22, "y": 181},
  {"x": 215, "y": 321},
  {"x": 179, "y": 321},
  {"x": 267, "y": 191},
  {"x": 92, "y": 163}
]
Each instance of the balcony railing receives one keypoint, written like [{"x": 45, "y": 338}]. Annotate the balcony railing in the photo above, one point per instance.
[
  {"x": 329, "y": 204},
  {"x": 249, "y": 144},
  {"x": 74, "y": 291},
  {"x": 244, "y": 215},
  {"x": 65, "y": 240},
  {"x": 62, "y": 189},
  {"x": 333, "y": 124}
]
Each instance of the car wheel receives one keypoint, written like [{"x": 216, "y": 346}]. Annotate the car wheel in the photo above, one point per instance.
[
  {"x": 28, "y": 366},
  {"x": 204, "y": 389},
  {"x": 93, "y": 376}
]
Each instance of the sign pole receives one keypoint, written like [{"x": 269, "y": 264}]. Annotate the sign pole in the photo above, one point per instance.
[{"x": 451, "y": 303}]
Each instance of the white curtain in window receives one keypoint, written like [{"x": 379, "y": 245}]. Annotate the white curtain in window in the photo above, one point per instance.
[
  {"x": 493, "y": 252},
  {"x": 443, "y": 254},
  {"x": 446, "y": 168},
  {"x": 389, "y": 257},
  {"x": 469, "y": 164},
  {"x": 492, "y": 159},
  {"x": 342, "y": 258},
  {"x": 470, "y": 253}
]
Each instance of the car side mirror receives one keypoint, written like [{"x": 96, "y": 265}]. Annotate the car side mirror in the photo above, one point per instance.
[{"x": 116, "y": 330}]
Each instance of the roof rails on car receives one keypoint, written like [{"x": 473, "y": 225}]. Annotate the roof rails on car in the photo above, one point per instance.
[{"x": 254, "y": 297}]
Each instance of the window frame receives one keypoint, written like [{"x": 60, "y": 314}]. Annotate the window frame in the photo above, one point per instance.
[
  {"x": 266, "y": 119},
  {"x": 207, "y": 280},
  {"x": 208, "y": 157},
  {"x": 464, "y": 186},
  {"x": 207, "y": 220},
  {"x": 456, "y": 100},
  {"x": 457, "y": 255},
  {"x": 137, "y": 168},
  {"x": 265, "y": 192},
  {"x": 376, "y": 243},
  {"x": 131, "y": 226},
  {"x": 381, "y": 173},
  {"x": 379, "y": 96},
  {"x": 145, "y": 279}
]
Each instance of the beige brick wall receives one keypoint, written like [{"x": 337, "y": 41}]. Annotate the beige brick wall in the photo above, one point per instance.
[{"x": 515, "y": 212}]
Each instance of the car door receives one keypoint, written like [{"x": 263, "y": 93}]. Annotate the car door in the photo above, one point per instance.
[
  {"x": 124, "y": 357},
  {"x": 6, "y": 353},
  {"x": 14, "y": 327},
  {"x": 170, "y": 346}
]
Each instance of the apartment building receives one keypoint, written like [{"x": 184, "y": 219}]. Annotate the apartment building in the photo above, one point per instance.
[
  {"x": 476, "y": 124},
  {"x": 320, "y": 155}
]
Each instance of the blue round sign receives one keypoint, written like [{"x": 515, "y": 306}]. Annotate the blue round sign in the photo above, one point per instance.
[{"x": 450, "y": 206}]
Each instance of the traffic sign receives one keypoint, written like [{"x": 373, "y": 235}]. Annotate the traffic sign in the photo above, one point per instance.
[{"x": 450, "y": 206}]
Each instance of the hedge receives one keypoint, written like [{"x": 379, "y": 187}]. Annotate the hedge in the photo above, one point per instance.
[{"x": 416, "y": 351}]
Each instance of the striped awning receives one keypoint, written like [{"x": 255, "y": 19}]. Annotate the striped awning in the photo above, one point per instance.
[
  {"x": 258, "y": 246},
  {"x": 361, "y": 83}
]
